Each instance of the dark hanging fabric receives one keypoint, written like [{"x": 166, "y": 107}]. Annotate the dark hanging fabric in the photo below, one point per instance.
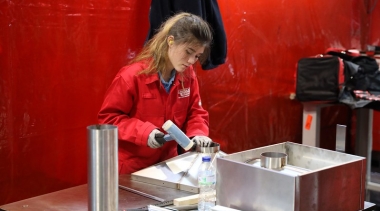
[
  {"x": 361, "y": 88},
  {"x": 161, "y": 10}
]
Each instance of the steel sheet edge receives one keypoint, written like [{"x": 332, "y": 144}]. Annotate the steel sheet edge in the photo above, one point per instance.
[
  {"x": 332, "y": 181},
  {"x": 103, "y": 178}
]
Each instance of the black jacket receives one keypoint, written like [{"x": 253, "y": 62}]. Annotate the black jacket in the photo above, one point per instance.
[{"x": 160, "y": 10}]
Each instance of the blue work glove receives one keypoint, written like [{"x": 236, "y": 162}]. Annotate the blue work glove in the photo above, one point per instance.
[
  {"x": 202, "y": 141},
  {"x": 152, "y": 142}
]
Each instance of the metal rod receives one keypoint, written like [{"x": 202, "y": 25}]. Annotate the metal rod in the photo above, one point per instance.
[
  {"x": 141, "y": 193},
  {"x": 103, "y": 177}
]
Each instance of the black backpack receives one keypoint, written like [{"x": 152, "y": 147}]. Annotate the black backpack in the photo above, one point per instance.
[{"x": 361, "y": 73}]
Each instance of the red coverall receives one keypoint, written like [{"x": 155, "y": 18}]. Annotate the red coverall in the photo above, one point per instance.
[{"x": 138, "y": 103}]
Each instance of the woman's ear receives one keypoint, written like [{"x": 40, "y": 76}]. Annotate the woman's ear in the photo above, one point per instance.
[{"x": 170, "y": 40}]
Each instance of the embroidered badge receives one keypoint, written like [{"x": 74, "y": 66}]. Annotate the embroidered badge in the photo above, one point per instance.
[{"x": 185, "y": 92}]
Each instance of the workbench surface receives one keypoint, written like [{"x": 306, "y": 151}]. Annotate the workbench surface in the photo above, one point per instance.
[{"x": 76, "y": 198}]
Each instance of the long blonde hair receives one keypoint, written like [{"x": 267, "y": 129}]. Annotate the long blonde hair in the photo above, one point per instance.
[{"x": 185, "y": 28}]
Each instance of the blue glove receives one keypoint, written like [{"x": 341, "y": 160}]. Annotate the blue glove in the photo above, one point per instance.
[
  {"x": 152, "y": 142},
  {"x": 202, "y": 141}
]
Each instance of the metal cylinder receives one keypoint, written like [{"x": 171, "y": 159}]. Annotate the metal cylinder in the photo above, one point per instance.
[
  {"x": 212, "y": 148},
  {"x": 273, "y": 160},
  {"x": 103, "y": 176}
]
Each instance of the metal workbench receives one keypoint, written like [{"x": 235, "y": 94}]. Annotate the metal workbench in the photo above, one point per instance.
[{"x": 75, "y": 198}]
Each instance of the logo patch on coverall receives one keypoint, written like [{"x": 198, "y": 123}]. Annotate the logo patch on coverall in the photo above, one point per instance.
[{"x": 185, "y": 92}]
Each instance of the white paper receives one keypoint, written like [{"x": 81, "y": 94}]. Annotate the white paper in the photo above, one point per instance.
[
  {"x": 180, "y": 165},
  {"x": 155, "y": 208},
  {"x": 158, "y": 173}
]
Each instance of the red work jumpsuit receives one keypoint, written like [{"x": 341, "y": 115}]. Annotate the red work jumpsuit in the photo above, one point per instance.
[{"x": 138, "y": 103}]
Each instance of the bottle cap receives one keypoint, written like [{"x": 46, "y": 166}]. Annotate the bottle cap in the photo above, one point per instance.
[{"x": 206, "y": 158}]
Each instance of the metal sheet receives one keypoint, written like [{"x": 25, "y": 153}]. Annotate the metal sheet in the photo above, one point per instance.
[
  {"x": 244, "y": 187},
  {"x": 179, "y": 172}
]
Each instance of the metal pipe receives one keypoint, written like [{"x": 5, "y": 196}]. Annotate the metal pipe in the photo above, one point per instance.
[
  {"x": 103, "y": 178},
  {"x": 141, "y": 193},
  {"x": 340, "y": 141}
]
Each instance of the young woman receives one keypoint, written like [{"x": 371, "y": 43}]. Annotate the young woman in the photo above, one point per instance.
[{"x": 159, "y": 85}]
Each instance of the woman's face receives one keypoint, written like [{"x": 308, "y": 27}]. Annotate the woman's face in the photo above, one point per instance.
[{"x": 181, "y": 56}]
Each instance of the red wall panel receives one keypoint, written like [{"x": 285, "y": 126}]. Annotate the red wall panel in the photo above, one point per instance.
[
  {"x": 248, "y": 97},
  {"x": 57, "y": 59}
]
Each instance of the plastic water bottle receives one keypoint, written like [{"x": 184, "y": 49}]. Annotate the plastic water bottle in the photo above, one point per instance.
[{"x": 206, "y": 183}]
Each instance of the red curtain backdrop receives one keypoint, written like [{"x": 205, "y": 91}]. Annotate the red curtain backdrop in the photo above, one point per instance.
[{"x": 57, "y": 59}]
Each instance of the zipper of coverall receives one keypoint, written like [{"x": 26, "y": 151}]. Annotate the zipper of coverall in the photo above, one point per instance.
[
  {"x": 173, "y": 87},
  {"x": 168, "y": 100}
]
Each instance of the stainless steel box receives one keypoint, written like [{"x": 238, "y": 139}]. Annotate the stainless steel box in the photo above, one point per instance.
[{"x": 313, "y": 179}]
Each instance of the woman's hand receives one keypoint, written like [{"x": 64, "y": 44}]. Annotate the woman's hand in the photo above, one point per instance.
[
  {"x": 152, "y": 142},
  {"x": 202, "y": 141}
]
